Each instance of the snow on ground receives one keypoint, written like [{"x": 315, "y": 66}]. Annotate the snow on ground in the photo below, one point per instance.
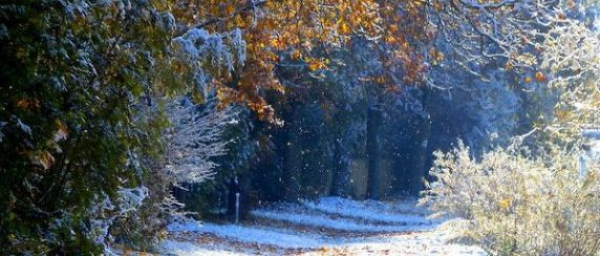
[
  {"x": 324, "y": 221},
  {"x": 191, "y": 249},
  {"x": 404, "y": 212},
  {"x": 278, "y": 237},
  {"x": 368, "y": 228}
]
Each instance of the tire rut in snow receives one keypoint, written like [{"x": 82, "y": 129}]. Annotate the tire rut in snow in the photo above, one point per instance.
[
  {"x": 332, "y": 223},
  {"x": 331, "y": 226}
]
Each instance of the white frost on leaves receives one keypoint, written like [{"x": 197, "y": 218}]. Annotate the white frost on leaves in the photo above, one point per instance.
[
  {"x": 589, "y": 157},
  {"x": 195, "y": 138},
  {"x": 187, "y": 43},
  {"x": 131, "y": 199},
  {"x": 100, "y": 223},
  {"x": 77, "y": 8},
  {"x": 104, "y": 212},
  {"x": 239, "y": 45},
  {"x": 166, "y": 21},
  {"x": 2, "y": 124},
  {"x": 225, "y": 50},
  {"x": 25, "y": 128},
  {"x": 204, "y": 51}
]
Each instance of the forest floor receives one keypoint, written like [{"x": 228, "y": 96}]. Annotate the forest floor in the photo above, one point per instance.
[{"x": 328, "y": 226}]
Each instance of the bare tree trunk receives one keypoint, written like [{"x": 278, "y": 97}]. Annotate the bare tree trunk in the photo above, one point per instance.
[
  {"x": 340, "y": 172},
  {"x": 292, "y": 160},
  {"x": 418, "y": 171},
  {"x": 374, "y": 119}
]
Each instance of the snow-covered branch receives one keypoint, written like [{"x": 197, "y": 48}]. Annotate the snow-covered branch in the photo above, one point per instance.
[
  {"x": 572, "y": 58},
  {"x": 210, "y": 53},
  {"x": 195, "y": 138},
  {"x": 506, "y": 30}
]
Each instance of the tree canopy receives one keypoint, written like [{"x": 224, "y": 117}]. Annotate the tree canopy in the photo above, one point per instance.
[{"x": 108, "y": 104}]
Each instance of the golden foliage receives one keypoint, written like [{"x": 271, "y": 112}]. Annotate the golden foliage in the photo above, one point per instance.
[{"x": 273, "y": 27}]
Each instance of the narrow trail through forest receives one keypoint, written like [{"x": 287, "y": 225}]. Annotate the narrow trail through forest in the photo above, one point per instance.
[{"x": 328, "y": 226}]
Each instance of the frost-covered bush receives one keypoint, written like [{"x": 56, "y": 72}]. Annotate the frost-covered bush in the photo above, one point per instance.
[
  {"x": 514, "y": 202},
  {"x": 195, "y": 139},
  {"x": 140, "y": 215},
  {"x": 106, "y": 212}
]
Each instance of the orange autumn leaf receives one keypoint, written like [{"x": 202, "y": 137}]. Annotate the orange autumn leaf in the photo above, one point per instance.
[
  {"x": 390, "y": 39},
  {"x": 239, "y": 21},
  {"x": 229, "y": 9},
  {"x": 344, "y": 28},
  {"x": 28, "y": 104},
  {"x": 440, "y": 56},
  {"x": 296, "y": 54},
  {"x": 316, "y": 64},
  {"x": 277, "y": 43},
  {"x": 301, "y": 26},
  {"x": 43, "y": 159},
  {"x": 539, "y": 76}
]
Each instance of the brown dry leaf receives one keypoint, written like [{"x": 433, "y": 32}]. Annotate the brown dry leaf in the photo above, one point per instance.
[
  {"x": 296, "y": 54},
  {"x": 61, "y": 132},
  {"x": 46, "y": 160},
  {"x": 539, "y": 76}
]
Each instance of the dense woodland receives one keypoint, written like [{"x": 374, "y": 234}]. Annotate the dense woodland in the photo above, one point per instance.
[{"x": 120, "y": 116}]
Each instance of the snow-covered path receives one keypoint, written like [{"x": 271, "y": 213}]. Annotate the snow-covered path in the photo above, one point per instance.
[{"x": 328, "y": 226}]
